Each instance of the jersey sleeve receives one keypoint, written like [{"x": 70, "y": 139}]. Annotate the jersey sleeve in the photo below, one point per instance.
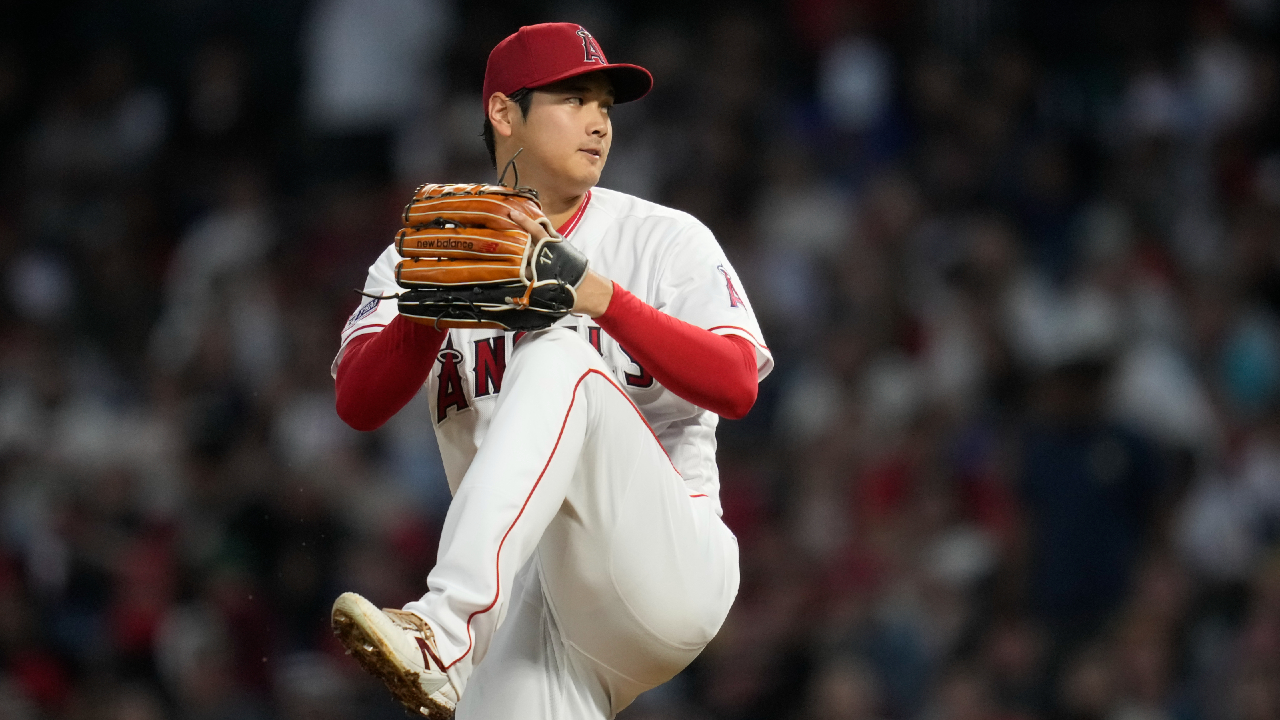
[
  {"x": 697, "y": 284},
  {"x": 372, "y": 314}
]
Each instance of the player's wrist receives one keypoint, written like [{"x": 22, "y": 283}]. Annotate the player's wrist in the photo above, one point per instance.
[{"x": 593, "y": 295}]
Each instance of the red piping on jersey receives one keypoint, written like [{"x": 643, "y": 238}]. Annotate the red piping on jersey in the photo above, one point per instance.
[
  {"x": 563, "y": 424},
  {"x": 715, "y": 372},
  {"x": 572, "y": 223}
]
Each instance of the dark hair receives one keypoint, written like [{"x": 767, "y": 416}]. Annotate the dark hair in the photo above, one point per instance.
[{"x": 522, "y": 97}]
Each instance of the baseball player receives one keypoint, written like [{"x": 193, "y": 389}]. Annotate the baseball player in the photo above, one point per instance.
[{"x": 583, "y": 559}]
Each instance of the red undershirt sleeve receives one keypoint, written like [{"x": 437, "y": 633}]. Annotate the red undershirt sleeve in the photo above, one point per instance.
[
  {"x": 715, "y": 372},
  {"x": 381, "y": 372}
]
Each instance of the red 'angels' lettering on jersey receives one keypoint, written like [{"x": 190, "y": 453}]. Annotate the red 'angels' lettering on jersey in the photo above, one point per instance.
[
  {"x": 640, "y": 379},
  {"x": 484, "y": 376},
  {"x": 451, "y": 393},
  {"x": 735, "y": 300},
  {"x": 590, "y": 50},
  {"x": 491, "y": 364}
]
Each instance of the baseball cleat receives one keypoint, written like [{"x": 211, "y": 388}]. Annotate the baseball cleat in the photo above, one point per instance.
[{"x": 398, "y": 648}]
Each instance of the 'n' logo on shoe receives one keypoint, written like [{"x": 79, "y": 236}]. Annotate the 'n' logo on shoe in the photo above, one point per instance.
[{"x": 429, "y": 655}]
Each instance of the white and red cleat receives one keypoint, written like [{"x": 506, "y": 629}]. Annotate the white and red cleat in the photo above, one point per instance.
[{"x": 398, "y": 648}]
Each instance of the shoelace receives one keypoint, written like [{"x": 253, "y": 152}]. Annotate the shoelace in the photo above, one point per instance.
[{"x": 426, "y": 640}]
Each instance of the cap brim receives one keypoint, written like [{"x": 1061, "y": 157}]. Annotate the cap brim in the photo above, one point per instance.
[{"x": 630, "y": 82}]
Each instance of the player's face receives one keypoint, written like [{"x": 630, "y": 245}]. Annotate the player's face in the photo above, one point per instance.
[{"x": 567, "y": 134}]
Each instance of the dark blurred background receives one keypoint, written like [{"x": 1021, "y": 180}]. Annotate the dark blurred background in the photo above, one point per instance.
[{"x": 1019, "y": 265}]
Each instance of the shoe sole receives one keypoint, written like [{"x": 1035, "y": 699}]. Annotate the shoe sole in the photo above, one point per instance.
[{"x": 354, "y": 630}]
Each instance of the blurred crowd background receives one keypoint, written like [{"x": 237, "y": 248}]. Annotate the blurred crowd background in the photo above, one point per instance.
[{"x": 1019, "y": 265}]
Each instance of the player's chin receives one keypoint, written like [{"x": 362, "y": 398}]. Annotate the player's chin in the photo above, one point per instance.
[{"x": 587, "y": 172}]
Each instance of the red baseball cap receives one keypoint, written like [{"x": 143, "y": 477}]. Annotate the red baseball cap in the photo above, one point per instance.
[{"x": 538, "y": 55}]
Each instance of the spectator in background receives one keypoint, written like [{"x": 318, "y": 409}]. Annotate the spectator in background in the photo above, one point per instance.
[
  {"x": 371, "y": 68},
  {"x": 1091, "y": 491}
]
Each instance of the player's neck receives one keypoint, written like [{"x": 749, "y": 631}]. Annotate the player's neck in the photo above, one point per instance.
[
  {"x": 559, "y": 208},
  {"x": 559, "y": 199}
]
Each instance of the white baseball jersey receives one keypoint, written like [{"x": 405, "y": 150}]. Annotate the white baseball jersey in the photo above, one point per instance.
[{"x": 665, "y": 257}]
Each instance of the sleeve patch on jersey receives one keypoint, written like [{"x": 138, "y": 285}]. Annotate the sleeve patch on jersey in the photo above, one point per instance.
[
  {"x": 735, "y": 300},
  {"x": 364, "y": 311}
]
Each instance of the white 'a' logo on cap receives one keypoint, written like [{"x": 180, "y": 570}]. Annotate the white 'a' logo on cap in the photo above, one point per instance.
[{"x": 590, "y": 49}]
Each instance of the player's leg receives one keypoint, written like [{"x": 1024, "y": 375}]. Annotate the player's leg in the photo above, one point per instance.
[
  {"x": 514, "y": 487},
  {"x": 636, "y": 576}
]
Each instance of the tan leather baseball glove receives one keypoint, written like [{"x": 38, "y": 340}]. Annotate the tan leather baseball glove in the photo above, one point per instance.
[{"x": 468, "y": 264}]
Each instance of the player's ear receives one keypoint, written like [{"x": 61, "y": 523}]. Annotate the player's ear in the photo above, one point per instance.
[{"x": 500, "y": 114}]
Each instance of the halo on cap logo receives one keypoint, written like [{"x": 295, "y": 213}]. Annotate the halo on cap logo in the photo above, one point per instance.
[{"x": 590, "y": 49}]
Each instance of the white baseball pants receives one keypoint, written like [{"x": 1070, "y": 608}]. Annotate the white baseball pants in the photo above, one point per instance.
[{"x": 575, "y": 571}]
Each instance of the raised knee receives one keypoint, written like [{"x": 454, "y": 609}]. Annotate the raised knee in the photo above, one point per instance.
[{"x": 558, "y": 347}]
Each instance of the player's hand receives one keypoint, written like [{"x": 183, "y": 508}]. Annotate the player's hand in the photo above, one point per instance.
[
  {"x": 595, "y": 292},
  {"x": 537, "y": 231}
]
